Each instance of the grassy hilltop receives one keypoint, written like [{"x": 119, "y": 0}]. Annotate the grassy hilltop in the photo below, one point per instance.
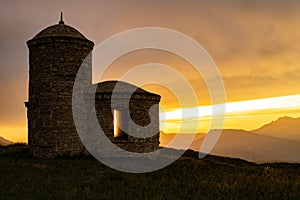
[{"x": 24, "y": 177}]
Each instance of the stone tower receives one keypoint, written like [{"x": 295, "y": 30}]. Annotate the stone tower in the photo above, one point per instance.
[{"x": 55, "y": 55}]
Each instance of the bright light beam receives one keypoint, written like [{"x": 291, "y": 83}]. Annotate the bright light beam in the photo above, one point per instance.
[{"x": 240, "y": 108}]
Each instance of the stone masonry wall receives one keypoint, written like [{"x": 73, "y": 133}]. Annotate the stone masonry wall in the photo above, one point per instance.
[
  {"x": 139, "y": 106},
  {"x": 53, "y": 65}
]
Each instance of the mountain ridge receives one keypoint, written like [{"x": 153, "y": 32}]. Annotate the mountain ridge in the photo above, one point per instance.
[
  {"x": 283, "y": 127},
  {"x": 5, "y": 142},
  {"x": 247, "y": 145}
]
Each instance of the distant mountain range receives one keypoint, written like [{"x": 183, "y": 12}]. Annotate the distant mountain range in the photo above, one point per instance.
[
  {"x": 182, "y": 140},
  {"x": 285, "y": 127},
  {"x": 4, "y": 142},
  {"x": 270, "y": 143}
]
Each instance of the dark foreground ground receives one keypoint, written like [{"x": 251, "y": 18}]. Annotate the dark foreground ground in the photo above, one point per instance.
[{"x": 24, "y": 177}]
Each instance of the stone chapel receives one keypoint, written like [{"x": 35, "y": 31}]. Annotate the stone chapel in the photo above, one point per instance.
[{"x": 55, "y": 56}]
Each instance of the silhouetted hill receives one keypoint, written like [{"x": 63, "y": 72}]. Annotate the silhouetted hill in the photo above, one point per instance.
[
  {"x": 4, "y": 142},
  {"x": 25, "y": 177},
  {"x": 285, "y": 127},
  {"x": 250, "y": 146},
  {"x": 256, "y": 148},
  {"x": 181, "y": 139}
]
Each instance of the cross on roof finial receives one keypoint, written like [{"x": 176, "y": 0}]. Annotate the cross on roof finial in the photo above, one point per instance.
[{"x": 61, "y": 18}]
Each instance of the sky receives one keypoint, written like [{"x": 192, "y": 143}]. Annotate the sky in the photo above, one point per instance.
[{"x": 254, "y": 44}]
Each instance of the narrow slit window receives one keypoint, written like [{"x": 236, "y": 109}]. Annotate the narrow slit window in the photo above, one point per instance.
[{"x": 120, "y": 125}]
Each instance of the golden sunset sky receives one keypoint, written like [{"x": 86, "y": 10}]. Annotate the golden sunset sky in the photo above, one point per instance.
[{"x": 254, "y": 44}]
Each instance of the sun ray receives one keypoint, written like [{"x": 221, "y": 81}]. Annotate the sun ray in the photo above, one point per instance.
[{"x": 249, "y": 114}]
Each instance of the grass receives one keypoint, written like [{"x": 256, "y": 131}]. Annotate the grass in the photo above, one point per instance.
[{"x": 25, "y": 177}]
